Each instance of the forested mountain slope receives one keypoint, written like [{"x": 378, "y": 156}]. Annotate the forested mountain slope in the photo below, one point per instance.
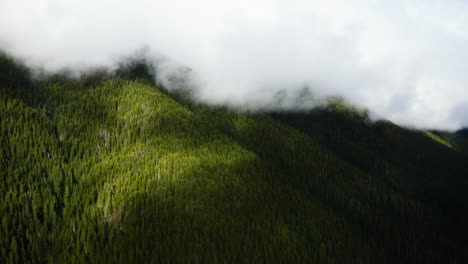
[{"x": 111, "y": 168}]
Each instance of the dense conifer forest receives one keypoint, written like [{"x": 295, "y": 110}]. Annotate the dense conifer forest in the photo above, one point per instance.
[{"x": 110, "y": 167}]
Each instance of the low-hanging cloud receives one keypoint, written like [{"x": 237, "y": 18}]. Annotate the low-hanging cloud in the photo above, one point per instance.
[{"x": 404, "y": 60}]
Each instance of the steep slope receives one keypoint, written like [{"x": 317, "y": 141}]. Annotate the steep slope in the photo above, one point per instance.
[
  {"x": 411, "y": 163},
  {"x": 113, "y": 169},
  {"x": 153, "y": 176},
  {"x": 457, "y": 140}
]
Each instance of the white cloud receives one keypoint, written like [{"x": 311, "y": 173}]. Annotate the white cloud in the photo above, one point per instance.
[{"x": 405, "y": 60}]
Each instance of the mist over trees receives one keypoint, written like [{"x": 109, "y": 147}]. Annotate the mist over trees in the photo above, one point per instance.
[{"x": 110, "y": 166}]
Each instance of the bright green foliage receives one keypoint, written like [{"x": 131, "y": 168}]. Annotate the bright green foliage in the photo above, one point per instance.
[
  {"x": 112, "y": 169},
  {"x": 437, "y": 138},
  {"x": 458, "y": 140}
]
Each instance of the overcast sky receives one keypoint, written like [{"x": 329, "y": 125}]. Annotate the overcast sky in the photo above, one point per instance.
[{"x": 404, "y": 60}]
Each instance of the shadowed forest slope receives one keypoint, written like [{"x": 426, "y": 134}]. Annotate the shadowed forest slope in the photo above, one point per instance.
[{"x": 109, "y": 167}]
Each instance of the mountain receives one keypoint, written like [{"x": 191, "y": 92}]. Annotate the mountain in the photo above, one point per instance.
[{"x": 109, "y": 167}]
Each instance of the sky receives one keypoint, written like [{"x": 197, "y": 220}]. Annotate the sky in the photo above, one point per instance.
[{"x": 406, "y": 61}]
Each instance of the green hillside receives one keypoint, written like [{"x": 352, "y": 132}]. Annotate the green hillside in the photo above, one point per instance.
[{"x": 109, "y": 167}]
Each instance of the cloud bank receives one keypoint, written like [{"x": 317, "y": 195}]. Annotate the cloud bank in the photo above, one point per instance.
[{"x": 407, "y": 61}]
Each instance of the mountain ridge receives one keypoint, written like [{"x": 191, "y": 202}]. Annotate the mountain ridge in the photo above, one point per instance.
[{"x": 114, "y": 168}]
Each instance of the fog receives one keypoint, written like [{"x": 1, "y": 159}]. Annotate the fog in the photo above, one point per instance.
[{"x": 404, "y": 60}]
